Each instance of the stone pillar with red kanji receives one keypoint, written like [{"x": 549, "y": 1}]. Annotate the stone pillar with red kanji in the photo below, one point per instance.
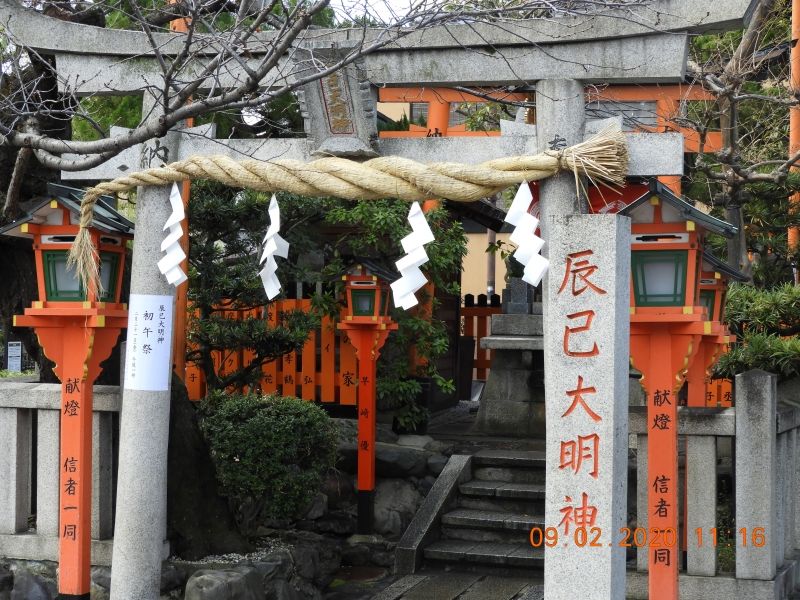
[{"x": 586, "y": 380}]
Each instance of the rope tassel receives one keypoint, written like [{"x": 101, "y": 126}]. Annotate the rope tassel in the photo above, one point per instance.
[{"x": 602, "y": 158}]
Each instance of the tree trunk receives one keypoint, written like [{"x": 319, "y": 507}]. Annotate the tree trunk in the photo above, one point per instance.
[{"x": 198, "y": 519}]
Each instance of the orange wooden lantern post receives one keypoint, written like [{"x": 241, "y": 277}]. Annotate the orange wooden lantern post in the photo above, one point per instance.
[
  {"x": 77, "y": 330},
  {"x": 667, "y": 325},
  {"x": 367, "y": 325}
]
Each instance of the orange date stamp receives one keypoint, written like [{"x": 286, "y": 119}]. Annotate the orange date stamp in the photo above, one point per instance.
[{"x": 641, "y": 537}]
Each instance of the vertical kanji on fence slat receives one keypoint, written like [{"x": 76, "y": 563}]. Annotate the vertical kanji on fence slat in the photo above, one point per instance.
[
  {"x": 288, "y": 367},
  {"x": 327, "y": 360},
  {"x": 195, "y": 380},
  {"x": 719, "y": 393},
  {"x": 726, "y": 394},
  {"x": 309, "y": 374},
  {"x": 216, "y": 360},
  {"x": 347, "y": 372},
  {"x": 231, "y": 360},
  {"x": 292, "y": 360},
  {"x": 248, "y": 355},
  {"x": 269, "y": 381}
]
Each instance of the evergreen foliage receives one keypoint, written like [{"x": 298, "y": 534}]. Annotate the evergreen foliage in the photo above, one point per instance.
[
  {"x": 107, "y": 111},
  {"x": 374, "y": 230},
  {"x": 327, "y": 236},
  {"x": 766, "y": 323},
  {"x": 225, "y": 233},
  {"x": 270, "y": 453}
]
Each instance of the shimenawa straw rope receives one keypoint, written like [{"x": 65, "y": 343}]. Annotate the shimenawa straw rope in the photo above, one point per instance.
[{"x": 602, "y": 158}]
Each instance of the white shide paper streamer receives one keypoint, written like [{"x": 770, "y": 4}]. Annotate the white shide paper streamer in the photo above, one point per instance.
[
  {"x": 170, "y": 264},
  {"x": 274, "y": 245},
  {"x": 524, "y": 236},
  {"x": 412, "y": 278}
]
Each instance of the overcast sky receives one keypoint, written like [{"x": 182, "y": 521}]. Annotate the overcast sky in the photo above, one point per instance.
[{"x": 386, "y": 11}]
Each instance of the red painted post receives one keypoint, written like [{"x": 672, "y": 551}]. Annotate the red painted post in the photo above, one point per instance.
[
  {"x": 367, "y": 370},
  {"x": 663, "y": 351},
  {"x": 367, "y": 339},
  {"x": 662, "y": 465},
  {"x": 75, "y": 466},
  {"x": 77, "y": 341}
]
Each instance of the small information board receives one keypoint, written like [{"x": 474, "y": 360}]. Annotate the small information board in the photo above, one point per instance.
[{"x": 14, "y": 356}]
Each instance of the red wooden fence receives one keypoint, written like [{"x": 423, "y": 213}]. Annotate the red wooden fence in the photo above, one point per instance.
[
  {"x": 324, "y": 370},
  {"x": 476, "y": 319}
]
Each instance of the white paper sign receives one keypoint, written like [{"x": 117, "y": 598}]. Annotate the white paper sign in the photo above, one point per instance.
[
  {"x": 15, "y": 356},
  {"x": 148, "y": 352}
]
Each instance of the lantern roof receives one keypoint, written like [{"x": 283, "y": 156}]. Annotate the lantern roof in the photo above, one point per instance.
[
  {"x": 105, "y": 218},
  {"x": 681, "y": 209},
  {"x": 375, "y": 267},
  {"x": 712, "y": 263}
]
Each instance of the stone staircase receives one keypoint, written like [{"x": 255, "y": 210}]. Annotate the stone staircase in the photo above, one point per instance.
[{"x": 485, "y": 527}]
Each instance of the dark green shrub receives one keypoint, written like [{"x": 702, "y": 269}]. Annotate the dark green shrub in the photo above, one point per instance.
[{"x": 270, "y": 453}]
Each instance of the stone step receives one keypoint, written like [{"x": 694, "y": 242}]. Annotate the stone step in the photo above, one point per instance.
[
  {"x": 508, "y": 475},
  {"x": 498, "y": 553},
  {"x": 486, "y": 519},
  {"x": 502, "y": 489},
  {"x": 493, "y": 503},
  {"x": 526, "y": 498},
  {"x": 474, "y": 534},
  {"x": 531, "y": 459}
]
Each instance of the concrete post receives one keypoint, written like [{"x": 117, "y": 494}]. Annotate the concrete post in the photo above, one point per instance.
[
  {"x": 15, "y": 469},
  {"x": 48, "y": 427},
  {"x": 796, "y": 495},
  {"x": 586, "y": 388},
  {"x": 791, "y": 493},
  {"x": 560, "y": 117},
  {"x": 701, "y": 500},
  {"x": 756, "y": 471},
  {"x": 642, "y": 558},
  {"x": 102, "y": 489},
  {"x": 780, "y": 498},
  {"x": 144, "y": 430}
]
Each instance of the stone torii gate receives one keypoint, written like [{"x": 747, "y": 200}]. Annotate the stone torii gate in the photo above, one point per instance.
[{"x": 561, "y": 56}]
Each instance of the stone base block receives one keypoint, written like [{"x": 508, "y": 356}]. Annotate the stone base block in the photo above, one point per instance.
[
  {"x": 722, "y": 587},
  {"x": 526, "y": 325},
  {"x": 517, "y": 308},
  {"x": 29, "y": 546},
  {"x": 512, "y": 403},
  {"x": 509, "y": 418}
]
